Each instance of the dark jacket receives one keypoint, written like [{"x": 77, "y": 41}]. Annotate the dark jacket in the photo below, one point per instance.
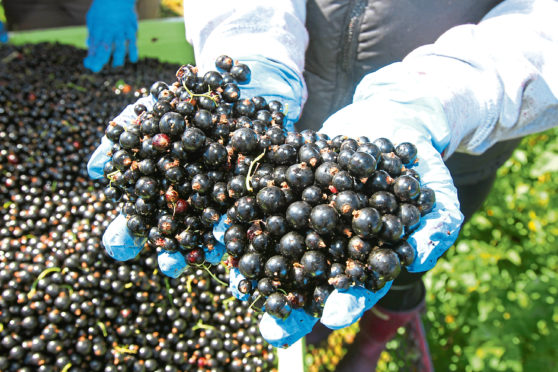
[{"x": 351, "y": 38}]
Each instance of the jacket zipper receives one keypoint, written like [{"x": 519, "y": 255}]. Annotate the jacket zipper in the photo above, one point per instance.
[{"x": 350, "y": 45}]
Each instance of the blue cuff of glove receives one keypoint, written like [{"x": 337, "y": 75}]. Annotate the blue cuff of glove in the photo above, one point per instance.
[
  {"x": 118, "y": 241},
  {"x": 99, "y": 158},
  {"x": 268, "y": 75},
  {"x": 283, "y": 333},
  {"x": 171, "y": 263},
  {"x": 343, "y": 308}
]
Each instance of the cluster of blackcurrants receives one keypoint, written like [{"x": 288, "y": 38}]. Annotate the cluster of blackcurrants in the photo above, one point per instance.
[
  {"x": 335, "y": 217},
  {"x": 307, "y": 213},
  {"x": 174, "y": 163}
]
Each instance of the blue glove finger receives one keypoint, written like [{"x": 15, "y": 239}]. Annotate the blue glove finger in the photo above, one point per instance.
[
  {"x": 234, "y": 279},
  {"x": 133, "y": 54},
  {"x": 285, "y": 332},
  {"x": 171, "y": 263},
  {"x": 220, "y": 228},
  {"x": 119, "y": 242},
  {"x": 99, "y": 158},
  {"x": 287, "y": 87},
  {"x": 98, "y": 55},
  {"x": 438, "y": 229},
  {"x": 343, "y": 308},
  {"x": 98, "y": 48},
  {"x": 119, "y": 54},
  {"x": 3, "y": 33},
  {"x": 214, "y": 255}
]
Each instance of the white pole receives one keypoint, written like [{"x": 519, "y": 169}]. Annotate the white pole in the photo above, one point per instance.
[{"x": 291, "y": 359}]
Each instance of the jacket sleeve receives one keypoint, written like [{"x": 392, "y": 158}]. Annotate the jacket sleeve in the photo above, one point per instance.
[
  {"x": 496, "y": 80},
  {"x": 244, "y": 28}
]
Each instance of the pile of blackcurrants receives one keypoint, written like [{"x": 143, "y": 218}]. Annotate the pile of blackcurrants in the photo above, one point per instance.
[
  {"x": 65, "y": 305},
  {"x": 306, "y": 213}
]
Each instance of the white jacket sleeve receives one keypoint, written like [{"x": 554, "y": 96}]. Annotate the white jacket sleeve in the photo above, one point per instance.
[
  {"x": 274, "y": 29},
  {"x": 496, "y": 80}
]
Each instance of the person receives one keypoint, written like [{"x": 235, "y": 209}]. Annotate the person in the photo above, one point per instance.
[
  {"x": 111, "y": 24},
  {"x": 464, "y": 81}
]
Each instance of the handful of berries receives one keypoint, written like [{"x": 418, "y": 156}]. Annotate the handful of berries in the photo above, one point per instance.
[{"x": 306, "y": 213}]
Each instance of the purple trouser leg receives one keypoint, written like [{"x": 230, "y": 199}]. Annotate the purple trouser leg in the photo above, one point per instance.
[{"x": 377, "y": 327}]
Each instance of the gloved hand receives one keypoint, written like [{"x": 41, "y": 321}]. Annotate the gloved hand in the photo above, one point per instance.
[
  {"x": 119, "y": 243},
  {"x": 3, "y": 33},
  {"x": 384, "y": 111},
  {"x": 112, "y": 27},
  {"x": 274, "y": 81}
]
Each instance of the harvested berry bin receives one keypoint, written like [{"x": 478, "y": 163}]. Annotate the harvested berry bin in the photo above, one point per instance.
[{"x": 65, "y": 305}]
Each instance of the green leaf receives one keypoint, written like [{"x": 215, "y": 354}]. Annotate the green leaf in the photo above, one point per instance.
[
  {"x": 514, "y": 257},
  {"x": 546, "y": 163}
]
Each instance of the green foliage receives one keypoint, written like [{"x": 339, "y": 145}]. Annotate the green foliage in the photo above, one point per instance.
[{"x": 492, "y": 298}]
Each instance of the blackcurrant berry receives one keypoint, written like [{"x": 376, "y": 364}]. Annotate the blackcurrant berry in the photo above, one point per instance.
[
  {"x": 409, "y": 215},
  {"x": 277, "y": 306},
  {"x": 241, "y": 72},
  {"x": 426, "y": 201},
  {"x": 292, "y": 245},
  {"x": 251, "y": 265},
  {"x": 384, "y": 202},
  {"x": 385, "y": 263},
  {"x": 384, "y": 144},
  {"x": 406, "y": 188},
  {"x": 271, "y": 200},
  {"x": 366, "y": 222},
  {"x": 324, "y": 219},
  {"x": 298, "y": 214},
  {"x": 405, "y": 252},
  {"x": 224, "y": 62},
  {"x": 314, "y": 264},
  {"x": 392, "y": 228},
  {"x": 407, "y": 152},
  {"x": 276, "y": 267},
  {"x": 358, "y": 248}
]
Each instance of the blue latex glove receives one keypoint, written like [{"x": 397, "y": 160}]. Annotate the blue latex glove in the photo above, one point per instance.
[
  {"x": 420, "y": 121},
  {"x": 112, "y": 26},
  {"x": 119, "y": 243},
  {"x": 3, "y": 33},
  {"x": 274, "y": 81}
]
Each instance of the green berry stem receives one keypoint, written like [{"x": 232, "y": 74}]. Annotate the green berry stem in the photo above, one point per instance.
[
  {"x": 42, "y": 275},
  {"x": 103, "y": 328},
  {"x": 192, "y": 94},
  {"x": 206, "y": 268},
  {"x": 201, "y": 325},
  {"x": 169, "y": 296},
  {"x": 250, "y": 175}
]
